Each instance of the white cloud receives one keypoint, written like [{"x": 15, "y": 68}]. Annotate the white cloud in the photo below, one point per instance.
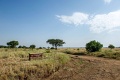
[
  {"x": 98, "y": 23},
  {"x": 107, "y": 1},
  {"x": 105, "y": 22},
  {"x": 77, "y": 18}
]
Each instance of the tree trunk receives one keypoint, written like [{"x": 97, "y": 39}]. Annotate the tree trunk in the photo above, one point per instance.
[{"x": 55, "y": 47}]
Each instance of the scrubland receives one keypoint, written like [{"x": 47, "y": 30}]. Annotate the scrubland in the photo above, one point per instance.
[{"x": 15, "y": 64}]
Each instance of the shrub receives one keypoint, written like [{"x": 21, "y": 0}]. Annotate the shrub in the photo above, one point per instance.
[
  {"x": 78, "y": 49},
  {"x": 93, "y": 46},
  {"x": 32, "y": 46},
  {"x": 40, "y": 47},
  {"x": 52, "y": 48},
  {"x": 111, "y": 46},
  {"x": 47, "y": 51},
  {"x": 68, "y": 52},
  {"x": 100, "y": 55}
]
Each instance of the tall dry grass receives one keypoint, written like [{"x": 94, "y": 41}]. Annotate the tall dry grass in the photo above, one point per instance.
[
  {"x": 108, "y": 53},
  {"x": 14, "y": 64}
]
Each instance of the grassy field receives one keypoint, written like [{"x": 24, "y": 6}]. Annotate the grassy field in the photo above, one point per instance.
[
  {"x": 104, "y": 52},
  {"x": 14, "y": 63}
]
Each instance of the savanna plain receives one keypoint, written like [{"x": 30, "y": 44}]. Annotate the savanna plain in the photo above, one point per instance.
[{"x": 60, "y": 64}]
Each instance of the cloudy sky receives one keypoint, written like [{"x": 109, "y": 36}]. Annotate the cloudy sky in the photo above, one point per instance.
[{"x": 75, "y": 21}]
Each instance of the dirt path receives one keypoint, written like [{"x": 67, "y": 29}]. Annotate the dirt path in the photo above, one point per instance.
[
  {"x": 89, "y": 68},
  {"x": 102, "y": 69}
]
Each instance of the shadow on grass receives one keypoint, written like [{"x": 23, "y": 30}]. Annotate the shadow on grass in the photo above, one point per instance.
[
  {"x": 79, "y": 53},
  {"x": 75, "y": 53}
]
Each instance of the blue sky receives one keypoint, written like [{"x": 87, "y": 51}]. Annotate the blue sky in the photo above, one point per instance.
[{"x": 75, "y": 21}]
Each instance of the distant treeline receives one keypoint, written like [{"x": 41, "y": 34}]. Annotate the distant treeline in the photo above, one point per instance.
[
  {"x": 25, "y": 47},
  {"x": 54, "y": 42},
  {"x": 91, "y": 46}
]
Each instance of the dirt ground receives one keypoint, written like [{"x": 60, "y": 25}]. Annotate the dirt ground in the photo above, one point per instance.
[{"x": 88, "y": 68}]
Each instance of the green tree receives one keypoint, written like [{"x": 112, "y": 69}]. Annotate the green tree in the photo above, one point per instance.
[
  {"x": 93, "y": 46},
  {"x": 40, "y": 47},
  {"x": 12, "y": 44},
  {"x": 32, "y": 46},
  {"x": 111, "y": 46},
  {"x": 2, "y": 46},
  {"x": 24, "y": 47},
  {"x": 55, "y": 42},
  {"x": 20, "y": 46}
]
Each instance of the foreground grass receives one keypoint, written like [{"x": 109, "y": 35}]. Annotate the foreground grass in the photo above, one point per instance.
[{"x": 14, "y": 64}]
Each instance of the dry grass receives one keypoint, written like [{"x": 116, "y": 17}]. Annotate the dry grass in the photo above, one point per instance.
[
  {"x": 14, "y": 64},
  {"x": 74, "y": 51},
  {"x": 104, "y": 52},
  {"x": 108, "y": 53}
]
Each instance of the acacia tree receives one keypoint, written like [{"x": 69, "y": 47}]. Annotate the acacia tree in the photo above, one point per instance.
[
  {"x": 12, "y": 44},
  {"x": 55, "y": 42}
]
